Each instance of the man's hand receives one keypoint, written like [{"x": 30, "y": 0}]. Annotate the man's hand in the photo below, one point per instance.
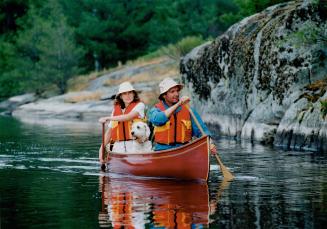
[
  {"x": 213, "y": 149},
  {"x": 184, "y": 100}
]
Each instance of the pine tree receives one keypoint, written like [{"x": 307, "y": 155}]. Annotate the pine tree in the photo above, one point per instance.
[
  {"x": 49, "y": 55},
  {"x": 59, "y": 55}
]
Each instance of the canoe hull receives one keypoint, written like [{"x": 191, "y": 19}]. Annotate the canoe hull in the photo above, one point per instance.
[{"x": 189, "y": 162}]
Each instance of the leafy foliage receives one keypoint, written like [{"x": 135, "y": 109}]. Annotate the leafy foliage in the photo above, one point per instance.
[
  {"x": 45, "y": 43},
  {"x": 323, "y": 109},
  {"x": 48, "y": 51},
  {"x": 10, "y": 83},
  {"x": 181, "y": 48},
  {"x": 10, "y": 11},
  {"x": 308, "y": 35}
]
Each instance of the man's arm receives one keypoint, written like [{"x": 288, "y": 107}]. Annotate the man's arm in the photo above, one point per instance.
[
  {"x": 169, "y": 111},
  {"x": 157, "y": 117}
]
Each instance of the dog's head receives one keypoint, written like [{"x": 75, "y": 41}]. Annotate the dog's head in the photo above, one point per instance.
[{"x": 140, "y": 131}]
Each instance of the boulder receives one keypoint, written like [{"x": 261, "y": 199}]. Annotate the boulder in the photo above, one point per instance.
[
  {"x": 251, "y": 82},
  {"x": 12, "y": 103}
]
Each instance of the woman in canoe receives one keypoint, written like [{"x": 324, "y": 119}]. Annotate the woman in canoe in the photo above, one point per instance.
[{"x": 127, "y": 108}]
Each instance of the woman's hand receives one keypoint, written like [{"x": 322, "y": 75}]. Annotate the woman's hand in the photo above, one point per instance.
[
  {"x": 104, "y": 119},
  {"x": 101, "y": 155}
]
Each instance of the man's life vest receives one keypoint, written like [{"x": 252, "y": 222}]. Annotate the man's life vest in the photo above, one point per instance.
[
  {"x": 178, "y": 129},
  {"x": 121, "y": 131}
]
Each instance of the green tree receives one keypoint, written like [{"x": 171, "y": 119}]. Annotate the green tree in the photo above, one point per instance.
[
  {"x": 95, "y": 34},
  {"x": 110, "y": 31},
  {"x": 230, "y": 12},
  {"x": 10, "y": 82},
  {"x": 10, "y": 11},
  {"x": 49, "y": 55},
  {"x": 58, "y": 61},
  {"x": 40, "y": 49},
  {"x": 196, "y": 17},
  {"x": 121, "y": 30},
  {"x": 226, "y": 12},
  {"x": 164, "y": 27}
]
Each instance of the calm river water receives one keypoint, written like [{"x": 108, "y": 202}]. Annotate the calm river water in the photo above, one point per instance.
[{"x": 50, "y": 178}]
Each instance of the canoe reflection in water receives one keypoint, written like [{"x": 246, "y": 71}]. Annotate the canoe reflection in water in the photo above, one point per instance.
[{"x": 135, "y": 203}]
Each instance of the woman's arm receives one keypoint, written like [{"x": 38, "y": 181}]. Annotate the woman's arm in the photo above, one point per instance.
[
  {"x": 125, "y": 117},
  {"x": 137, "y": 111},
  {"x": 120, "y": 118}
]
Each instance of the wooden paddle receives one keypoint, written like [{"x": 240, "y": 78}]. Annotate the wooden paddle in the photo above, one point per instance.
[
  {"x": 226, "y": 173},
  {"x": 103, "y": 165}
]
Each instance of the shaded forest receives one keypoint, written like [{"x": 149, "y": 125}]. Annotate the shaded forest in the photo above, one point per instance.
[{"x": 43, "y": 44}]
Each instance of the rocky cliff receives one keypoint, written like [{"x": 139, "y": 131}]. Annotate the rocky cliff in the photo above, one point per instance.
[{"x": 265, "y": 78}]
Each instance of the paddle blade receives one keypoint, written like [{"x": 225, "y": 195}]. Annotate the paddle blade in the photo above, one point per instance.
[{"x": 226, "y": 173}]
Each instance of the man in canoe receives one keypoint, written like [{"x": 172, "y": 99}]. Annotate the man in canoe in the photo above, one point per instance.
[{"x": 173, "y": 123}]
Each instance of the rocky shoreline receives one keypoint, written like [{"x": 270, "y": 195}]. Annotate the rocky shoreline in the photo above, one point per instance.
[{"x": 95, "y": 100}]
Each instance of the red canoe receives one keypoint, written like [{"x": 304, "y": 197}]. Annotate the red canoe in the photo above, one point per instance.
[{"x": 189, "y": 162}]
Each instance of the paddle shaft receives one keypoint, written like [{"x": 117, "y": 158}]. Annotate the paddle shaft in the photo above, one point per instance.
[
  {"x": 103, "y": 166},
  {"x": 226, "y": 173}
]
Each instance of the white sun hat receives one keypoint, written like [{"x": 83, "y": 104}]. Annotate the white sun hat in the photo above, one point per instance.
[
  {"x": 168, "y": 83},
  {"x": 125, "y": 87}
]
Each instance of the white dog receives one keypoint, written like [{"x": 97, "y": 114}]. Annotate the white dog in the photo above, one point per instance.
[{"x": 141, "y": 133}]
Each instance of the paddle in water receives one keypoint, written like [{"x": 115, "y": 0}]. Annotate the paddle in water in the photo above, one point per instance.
[
  {"x": 226, "y": 173},
  {"x": 103, "y": 165}
]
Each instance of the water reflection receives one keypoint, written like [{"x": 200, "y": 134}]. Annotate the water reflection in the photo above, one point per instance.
[
  {"x": 132, "y": 203},
  {"x": 51, "y": 172}
]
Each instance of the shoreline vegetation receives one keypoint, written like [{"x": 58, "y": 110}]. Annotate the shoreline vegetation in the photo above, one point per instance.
[
  {"x": 44, "y": 44},
  {"x": 166, "y": 58},
  {"x": 99, "y": 87}
]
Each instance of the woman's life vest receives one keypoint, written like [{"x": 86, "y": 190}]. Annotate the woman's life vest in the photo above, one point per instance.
[
  {"x": 178, "y": 129},
  {"x": 121, "y": 131},
  {"x": 121, "y": 210}
]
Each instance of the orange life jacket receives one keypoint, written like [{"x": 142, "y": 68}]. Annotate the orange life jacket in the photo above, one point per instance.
[
  {"x": 178, "y": 129},
  {"x": 169, "y": 215},
  {"x": 121, "y": 131},
  {"x": 121, "y": 210}
]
